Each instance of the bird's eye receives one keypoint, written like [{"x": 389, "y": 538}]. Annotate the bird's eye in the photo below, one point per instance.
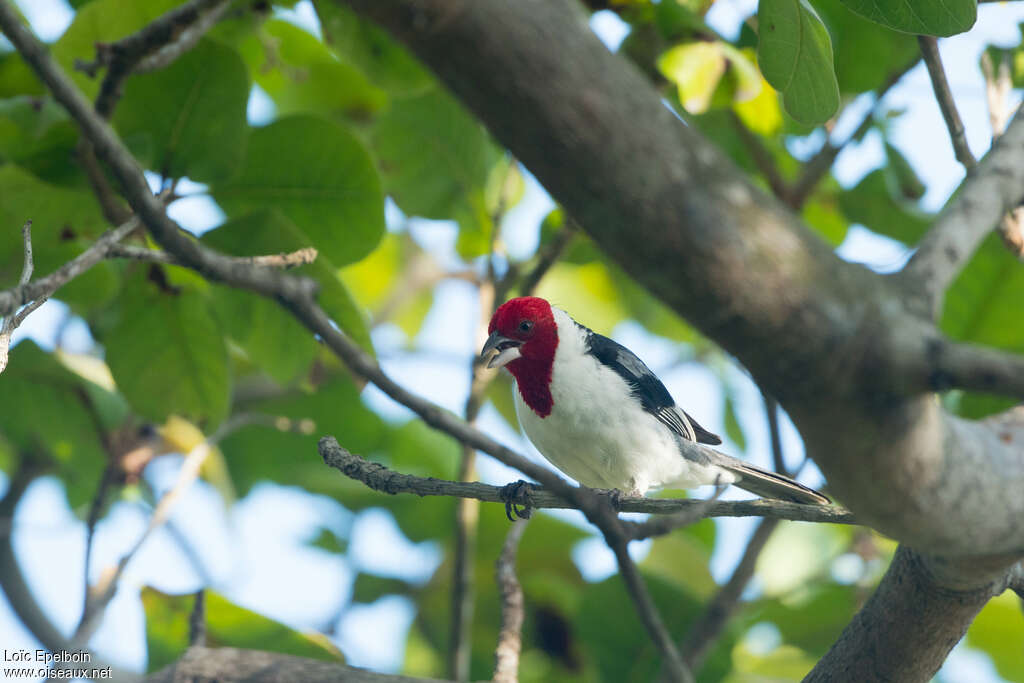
[{"x": 526, "y": 326}]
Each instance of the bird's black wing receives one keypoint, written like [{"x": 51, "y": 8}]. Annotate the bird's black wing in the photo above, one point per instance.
[{"x": 646, "y": 386}]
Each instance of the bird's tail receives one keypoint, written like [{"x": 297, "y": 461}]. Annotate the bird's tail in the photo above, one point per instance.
[{"x": 771, "y": 485}]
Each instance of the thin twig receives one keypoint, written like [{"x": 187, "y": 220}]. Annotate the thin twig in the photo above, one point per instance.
[
  {"x": 818, "y": 165},
  {"x": 771, "y": 411},
  {"x": 95, "y": 508},
  {"x": 510, "y": 638},
  {"x": 43, "y": 287},
  {"x": 709, "y": 625},
  {"x": 12, "y": 319},
  {"x": 676, "y": 668},
  {"x": 997, "y": 90},
  {"x": 100, "y": 595},
  {"x": 380, "y": 478},
  {"x": 467, "y": 510},
  {"x": 284, "y": 260},
  {"x": 994, "y": 186},
  {"x": 661, "y": 525},
  {"x": 197, "y": 620},
  {"x": 124, "y": 56},
  {"x": 955, "y": 126}
]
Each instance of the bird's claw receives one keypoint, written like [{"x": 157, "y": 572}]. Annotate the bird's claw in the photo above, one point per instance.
[
  {"x": 517, "y": 499},
  {"x": 614, "y": 497}
]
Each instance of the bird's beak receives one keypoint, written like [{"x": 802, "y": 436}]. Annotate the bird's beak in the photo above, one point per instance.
[{"x": 507, "y": 350}]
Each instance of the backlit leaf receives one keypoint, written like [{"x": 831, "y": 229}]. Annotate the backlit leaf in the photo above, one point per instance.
[{"x": 795, "y": 55}]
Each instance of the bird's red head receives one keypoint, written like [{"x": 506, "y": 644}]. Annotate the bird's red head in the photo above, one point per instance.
[{"x": 524, "y": 337}]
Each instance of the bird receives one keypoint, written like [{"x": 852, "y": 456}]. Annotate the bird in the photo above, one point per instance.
[{"x": 597, "y": 413}]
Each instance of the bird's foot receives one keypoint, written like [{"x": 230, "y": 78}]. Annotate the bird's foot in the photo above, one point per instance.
[
  {"x": 614, "y": 497},
  {"x": 517, "y": 499}
]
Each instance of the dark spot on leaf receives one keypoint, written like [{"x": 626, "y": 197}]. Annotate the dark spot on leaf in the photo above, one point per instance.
[
  {"x": 158, "y": 276},
  {"x": 554, "y": 636},
  {"x": 66, "y": 234}
]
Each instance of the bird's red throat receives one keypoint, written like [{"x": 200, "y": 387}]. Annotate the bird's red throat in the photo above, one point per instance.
[{"x": 533, "y": 377}]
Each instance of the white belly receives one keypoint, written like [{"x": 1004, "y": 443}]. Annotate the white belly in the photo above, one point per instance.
[{"x": 600, "y": 444}]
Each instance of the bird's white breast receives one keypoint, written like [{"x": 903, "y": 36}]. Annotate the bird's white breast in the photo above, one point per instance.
[{"x": 598, "y": 433}]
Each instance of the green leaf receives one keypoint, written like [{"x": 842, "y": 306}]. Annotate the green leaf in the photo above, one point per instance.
[
  {"x": 385, "y": 61},
  {"x": 380, "y": 281},
  {"x": 227, "y": 625},
  {"x": 695, "y": 68},
  {"x": 36, "y": 134},
  {"x": 289, "y": 458},
  {"x": 928, "y": 17},
  {"x": 795, "y": 55},
  {"x": 269, "y": 232},
  {"x": 369, "y": 588},
  {"x": 851, "y": 33},
  {"x": 189, "y": 118},
  {"x": 319, "y": 176},
  {"x": 872, "y": 204},
  {"x": 822, "y": 212},
  {"x": 302, "y": 76},
  {"x": 102, "y": 21},
  {"x": 811, "y": 618},
  {"x": 48, "y": 411},
  {"x": 902, "y": 175},
  {"x": 328, "y": 540},
  {"x": 270, "y": 335},
  {"x": 433, "y": 156},
  {"x": 998, "y": 631},
  {"x": 63, "y": 223},
  {"x": 985, "y": 304},
  {"x": 167, "y": 355}
]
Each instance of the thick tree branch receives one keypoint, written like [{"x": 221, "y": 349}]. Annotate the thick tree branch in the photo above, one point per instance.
[
  {"x": 380, "y": 478},
  {"x": 223, "y": 664},
  {"x": 510, "y": 637},
  {"x": 913, "y": 600},
  {"x": 994, "y": 187}
]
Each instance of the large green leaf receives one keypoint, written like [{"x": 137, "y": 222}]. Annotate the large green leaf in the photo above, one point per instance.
[
  {"x": 227, "y": 625},
  {"x": 999, "y": 631},
  {"x": 64, "y": 221},
  {"x": 985, "y": 304},
  {"x": 302, "y": 75},
  {"x": 850, "y": 33},
  {"x": 289, "y": 457},
  {"x": 167, "y": 355},
  {"x": 813, "y": 617},
  {"x": 269, "y": 232},
  {"x": 189, "y": 118},
  {"x": 37, "y": 134},
  {"x": 872, "y": 204},
  {"x": 318, "y": 175},
  {"x": 103, "y": 21},
  {"x": 386, "y": 62},
  {"x": 795, "y": 55},
  {"x": 50, "y": 413},
  {"x": 929, "y": 17},
  {"x": 434, "y": 157}
]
